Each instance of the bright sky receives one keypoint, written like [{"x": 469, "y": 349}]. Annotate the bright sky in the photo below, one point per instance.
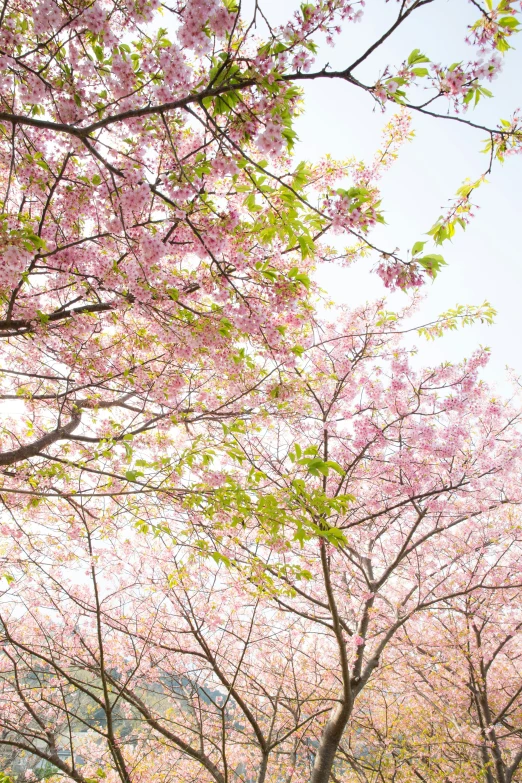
[{"x": 485, "y": 261}]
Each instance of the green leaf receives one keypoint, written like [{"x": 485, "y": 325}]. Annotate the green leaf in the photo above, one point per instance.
[
  {"x": 432, "y": 262},
  {"x": 335, "y": 466},
  {"x": 306, "y": 245},
  {"x": 509, "y": 21},
  {"x": 386, "y": 317},
  {"x": 219, "y": 558},
  {"x": 334, "y": 536},
  {"x": 417, "y": 57},
  {"x": 303, "y": 279}
]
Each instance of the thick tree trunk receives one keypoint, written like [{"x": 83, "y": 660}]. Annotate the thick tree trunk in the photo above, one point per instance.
[
  {"x": 329, "y": 743},
  {"x": 263, "y": 769}
]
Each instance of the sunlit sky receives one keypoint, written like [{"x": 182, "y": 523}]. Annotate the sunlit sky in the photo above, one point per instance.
[{"x": 485, "y": 261}]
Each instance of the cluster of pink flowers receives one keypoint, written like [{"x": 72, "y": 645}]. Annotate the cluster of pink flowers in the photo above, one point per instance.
[
  {"x": 488, "y": 70},
  {"x": 454, "y": 82},
  {"x": 487, "y": 32},
  {"x": 143, "y": 9},
  {"x": 176, "y": 72},
  {"x": 32, "y": 89},
  {"x": 152, "y": 249},
  {"x": 213, "y": 242},
  {"x": 184, "y": 191},
  {"x": 135, "y": 198},
  {"x": 324, "y": 17},
  {"x": 13, "y": 262},
  {"x": 457, "y": 81},
  {"x": 221, "y": 21},
  {"x": 270, "y": 141},
  {"x": 123, "y": 77},
  {"x": 196, "y": 15},
  {"x": 345, "y": 215},
  {"x": 302, "y": 61},
  {"x": 395, "y": 274},
  {"x": 47, "y": 17},
  {"x": 224, "y": 167},
  {"x": 10, "y": 38},
  {"x": 13, "y": 532},
  {"x": 68, "y": 110},
  {"x": 395, "y": 133},
  {"x": 95, "y": 18}
]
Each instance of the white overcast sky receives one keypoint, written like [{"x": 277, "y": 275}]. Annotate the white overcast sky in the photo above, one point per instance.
[{"x": 485, "y": 261}]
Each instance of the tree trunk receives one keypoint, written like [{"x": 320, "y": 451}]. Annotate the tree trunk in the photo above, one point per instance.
[{"x": 332, "y": 735}]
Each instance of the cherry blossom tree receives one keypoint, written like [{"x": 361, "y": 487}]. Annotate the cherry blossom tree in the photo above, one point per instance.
[
  {"x": 157, "y": 233},
  {"x": 401, "y": 460},
  {"x": 348, "y": 557},
  {"x": 456, "y": 705}
]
